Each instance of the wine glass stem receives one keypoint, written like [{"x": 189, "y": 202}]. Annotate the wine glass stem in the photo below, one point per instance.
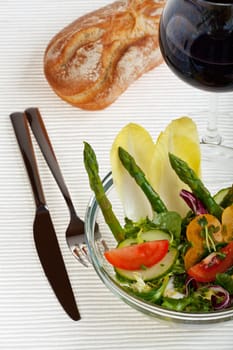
[{"x": 212, "y": 135}]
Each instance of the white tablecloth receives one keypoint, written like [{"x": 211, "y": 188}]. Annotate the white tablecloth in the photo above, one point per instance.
[{"x": 30, "y": 315}]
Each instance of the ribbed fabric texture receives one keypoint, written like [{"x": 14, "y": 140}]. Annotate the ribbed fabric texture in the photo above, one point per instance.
[{"x": 30, "y": 315}]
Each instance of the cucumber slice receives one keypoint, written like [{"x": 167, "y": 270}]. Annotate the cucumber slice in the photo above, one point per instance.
[
  {"x": 156, "y": 270},
  {"x": 127, "y": 242},
  {"x": 152, "y": 235},
  {"x": 218, "y": 197},
  {"x": 155, "y": 235},
  {"x": 224, "y": 197},
  {"x": 153, "y": 272}
]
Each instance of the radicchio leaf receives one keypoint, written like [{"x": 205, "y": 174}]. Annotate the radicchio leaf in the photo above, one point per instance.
[{"x": 193, "y": 202}]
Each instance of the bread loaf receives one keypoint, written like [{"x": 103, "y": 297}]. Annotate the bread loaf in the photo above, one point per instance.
[{"x": 94, "y": 59}]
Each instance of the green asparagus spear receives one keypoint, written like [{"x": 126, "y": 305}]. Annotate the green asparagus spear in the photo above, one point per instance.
[
  {"x": 136, "y": 172},
  {"x": 96, "y": 185},
  {"x": 188, "y": 176}
]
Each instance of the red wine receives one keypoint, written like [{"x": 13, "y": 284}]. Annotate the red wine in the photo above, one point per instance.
[{"x": 198, "y": 45}]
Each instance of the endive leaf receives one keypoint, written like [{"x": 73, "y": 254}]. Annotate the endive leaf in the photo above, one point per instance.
[
  {"x": 138, "y": 142},
  {"x": 180, "y": 138}
]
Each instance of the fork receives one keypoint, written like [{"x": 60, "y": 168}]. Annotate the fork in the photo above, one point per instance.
[{"x": 75, "y": 232}]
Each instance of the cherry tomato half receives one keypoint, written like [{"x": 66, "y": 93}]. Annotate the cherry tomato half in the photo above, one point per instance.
[
  {"x": 216, "y": 262},
  {"x": 137, "y": 256}
]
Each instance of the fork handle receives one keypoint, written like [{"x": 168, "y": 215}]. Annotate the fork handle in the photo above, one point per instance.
[
  {"x": 38, "y": 128},
  {"x": 23, "y": 137}
]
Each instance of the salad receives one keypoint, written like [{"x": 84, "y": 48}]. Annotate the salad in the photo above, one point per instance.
[{"x": 179, "y": 259}]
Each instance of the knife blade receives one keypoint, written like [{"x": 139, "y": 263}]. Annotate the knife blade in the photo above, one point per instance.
[{"x": 45, "y": 238}]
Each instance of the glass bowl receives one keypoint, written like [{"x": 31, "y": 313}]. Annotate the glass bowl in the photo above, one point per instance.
[{"x": 217, "y": 173}]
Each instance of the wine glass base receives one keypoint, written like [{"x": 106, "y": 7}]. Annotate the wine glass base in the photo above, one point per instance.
[
  {"x": 217, "y": 166},
  {"x": 215, "y": 140}
]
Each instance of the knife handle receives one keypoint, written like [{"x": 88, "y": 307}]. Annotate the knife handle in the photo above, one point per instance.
[
  {"x": 39, "y": 130},
  {"x": 23, "y": 137}
]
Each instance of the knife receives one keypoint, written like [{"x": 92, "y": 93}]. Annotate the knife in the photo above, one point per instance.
[{"x": 45, "y": 238}]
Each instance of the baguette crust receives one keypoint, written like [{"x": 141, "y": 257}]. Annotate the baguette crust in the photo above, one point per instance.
[{"x": 94, "y": 59}]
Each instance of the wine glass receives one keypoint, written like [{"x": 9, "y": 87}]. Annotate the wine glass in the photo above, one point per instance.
[{"x": 196, "y": 41}]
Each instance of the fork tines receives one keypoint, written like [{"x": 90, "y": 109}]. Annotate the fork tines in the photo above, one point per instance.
[{"x": 81, "y": 252}]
